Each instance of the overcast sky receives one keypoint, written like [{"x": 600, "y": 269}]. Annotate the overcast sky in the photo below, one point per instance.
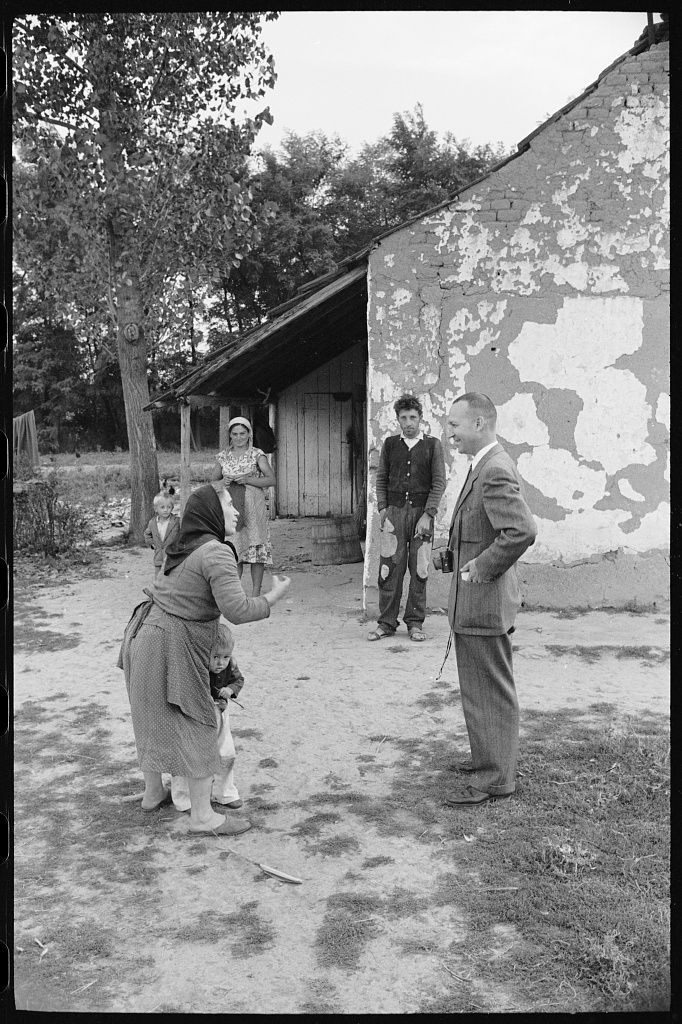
[{"x": 486, "y": 76}]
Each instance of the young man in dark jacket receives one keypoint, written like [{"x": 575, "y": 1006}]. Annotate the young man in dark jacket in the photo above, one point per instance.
[{"x": 410, "y": 483}]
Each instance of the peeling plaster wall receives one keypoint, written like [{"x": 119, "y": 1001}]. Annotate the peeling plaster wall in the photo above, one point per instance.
[{"x": 546, "y": 286}]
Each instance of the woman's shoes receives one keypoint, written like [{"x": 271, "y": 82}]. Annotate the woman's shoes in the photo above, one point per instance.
[{"x": 228, "y": 828}]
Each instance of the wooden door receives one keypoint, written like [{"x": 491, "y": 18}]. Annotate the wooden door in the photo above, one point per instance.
[{"x": 327, "y": 487}]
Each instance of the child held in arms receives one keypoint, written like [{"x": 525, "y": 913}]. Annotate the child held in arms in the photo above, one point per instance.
[
  {"x": 162, "y": 529},
  {"x": 225, "y": 681}
]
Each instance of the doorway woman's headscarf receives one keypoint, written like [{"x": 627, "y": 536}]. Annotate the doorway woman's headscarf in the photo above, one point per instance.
[
  {"x": 202, "y": 520},
  {"x": 243, "y": 422}
]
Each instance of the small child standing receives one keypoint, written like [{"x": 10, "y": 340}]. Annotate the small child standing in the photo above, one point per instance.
[
  {"x": 225, "y": 681},
  {"x": 162, "y": 528}
]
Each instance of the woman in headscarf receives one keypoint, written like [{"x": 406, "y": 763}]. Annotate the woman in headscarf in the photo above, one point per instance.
[
  {"x": 166, "y": 650},
  {"x": 246, "y": 472}
]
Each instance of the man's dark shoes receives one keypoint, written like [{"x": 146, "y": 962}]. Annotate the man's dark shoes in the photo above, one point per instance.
[
  {"x": 469, "y": 795},
  {"x": 465, "y": 765}
]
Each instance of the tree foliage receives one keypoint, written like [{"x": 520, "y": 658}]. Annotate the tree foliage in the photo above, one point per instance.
[
  {"x": 324, "y": 205},
  {"x": 127, "y": 125}
]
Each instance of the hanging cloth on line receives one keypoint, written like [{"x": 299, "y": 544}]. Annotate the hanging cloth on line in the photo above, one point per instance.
[{"x": 25, "y": 438}]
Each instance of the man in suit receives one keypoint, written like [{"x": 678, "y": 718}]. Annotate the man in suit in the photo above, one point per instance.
[
  {"x": 491, "y": 528},
  {"x": 410, "y": 483}
]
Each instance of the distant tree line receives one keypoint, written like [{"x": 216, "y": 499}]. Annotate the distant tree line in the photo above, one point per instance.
[{"x": 312, "y": 203}]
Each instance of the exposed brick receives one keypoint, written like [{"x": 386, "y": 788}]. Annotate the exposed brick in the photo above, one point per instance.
[
  {"x": 575, "y": 126},
  {"x": 578, "y": 112},
  {"x": 486, "y": 215},
  {"x": 594, "y": 101},
  {"x": 596, "y": 215},
  {"x": 522, "y": 204},
  {"x": 500, "y": 204},
  {"x": 509, "y": 215}
]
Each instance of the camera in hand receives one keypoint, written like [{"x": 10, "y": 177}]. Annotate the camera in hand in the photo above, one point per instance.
[{"x": 444, "y": 560}]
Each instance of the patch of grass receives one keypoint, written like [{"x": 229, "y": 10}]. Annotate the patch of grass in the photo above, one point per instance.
[
  {"x": 322, "y": 997},
  {"x": 253, "y": 934},
  {"x": 376, "y": 862},
  {"x": 577, "y": 865},
  {"x": 352, "y": 797},
  {"x": 346, "y": 928},
  {"x": 432, "y": 701},
  {"x": 418, "y": 947},
  {"x": 258, "y": 804},
  {"x": 28, "y": 637},
  {"x": 243, "y": 931},
  {"x": 80, "y": 942},
  {"x": 313, "y": 825},
  {"x": 648, "y": 654},
  {"x": 245, "y": 734},
  {"x": 335, "y": 846}
]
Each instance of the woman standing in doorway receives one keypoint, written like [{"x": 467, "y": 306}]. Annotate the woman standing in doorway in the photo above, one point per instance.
[{"x": 247, "y": 472}]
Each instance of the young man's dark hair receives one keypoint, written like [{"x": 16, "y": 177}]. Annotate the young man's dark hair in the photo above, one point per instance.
[{"x": 407, "y": 402}]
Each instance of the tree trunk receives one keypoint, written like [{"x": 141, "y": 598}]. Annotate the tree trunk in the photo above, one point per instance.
[{"x": 132, "y": 357}]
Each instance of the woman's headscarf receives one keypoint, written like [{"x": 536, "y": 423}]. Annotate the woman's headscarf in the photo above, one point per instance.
[
  {"x": 202, "y": 520},
  {"x": 244, "y": 423}
]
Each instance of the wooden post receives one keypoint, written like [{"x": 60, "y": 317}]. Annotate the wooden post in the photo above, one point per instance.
[
  {"x": 223, "y": 436},
  {"x": 272, "y": 420},
  {"x": 185, "y": 455}
]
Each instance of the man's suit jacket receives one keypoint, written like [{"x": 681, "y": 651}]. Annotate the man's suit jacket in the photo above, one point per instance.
[{"x": 493, "y": 524}]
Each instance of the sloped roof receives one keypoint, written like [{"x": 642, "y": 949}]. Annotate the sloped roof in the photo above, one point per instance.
[{"x": 306, "y": 333}]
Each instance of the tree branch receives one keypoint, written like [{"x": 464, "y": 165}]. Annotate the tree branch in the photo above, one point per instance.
[
  {"x": 69, "y": 60},
  {"x": 61, "y": 124},
  {"x": 157, "y": 79}
]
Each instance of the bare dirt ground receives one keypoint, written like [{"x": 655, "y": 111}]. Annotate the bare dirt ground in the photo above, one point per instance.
[{"x": 341, "y": 754}]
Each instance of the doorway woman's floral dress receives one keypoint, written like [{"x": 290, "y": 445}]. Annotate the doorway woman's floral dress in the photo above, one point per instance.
[{"x": 253, "y": 541}]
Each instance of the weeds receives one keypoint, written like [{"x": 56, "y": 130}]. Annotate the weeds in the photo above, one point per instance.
[
  {"x": 578, "y": 864},
  {"x": 46, "y": 522}
]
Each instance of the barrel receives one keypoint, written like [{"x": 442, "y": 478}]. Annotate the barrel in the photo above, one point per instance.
[{"x": 336, "y": 541}]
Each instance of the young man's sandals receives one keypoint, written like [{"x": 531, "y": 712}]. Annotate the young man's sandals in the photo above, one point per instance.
[
  {"x": 163, "y": 802},
  {"x": 379, "y": 633},
  {"x": 417, "y": 634},
  {"x": 228, "y": 828}
]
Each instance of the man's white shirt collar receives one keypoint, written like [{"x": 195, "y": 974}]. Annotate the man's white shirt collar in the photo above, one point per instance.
[
  {"x": 479, "y": 455},
  {"x": 412, "y": 441}
]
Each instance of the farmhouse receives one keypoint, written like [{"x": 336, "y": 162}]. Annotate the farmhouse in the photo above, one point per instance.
[{"x": 545, "y": 285}]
